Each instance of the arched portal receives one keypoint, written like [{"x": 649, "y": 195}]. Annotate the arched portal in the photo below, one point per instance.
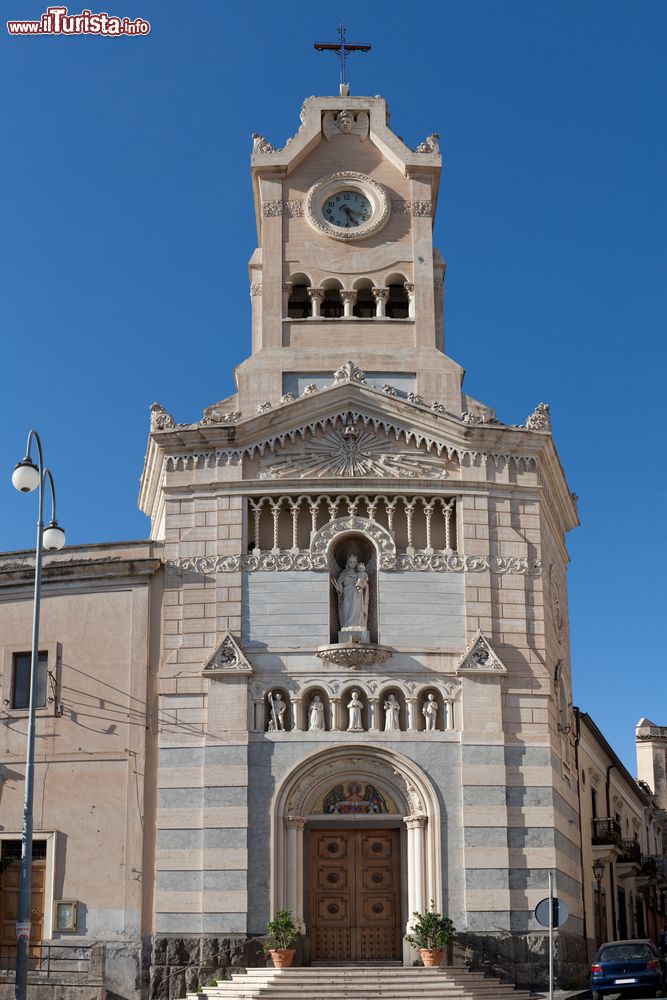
[{"x": 342, "y": 794}]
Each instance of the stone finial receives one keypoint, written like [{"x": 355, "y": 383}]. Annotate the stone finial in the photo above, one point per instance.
[
  {"x": 216, "y": 416},
  {"x": 161, "y": 420},
  {"x": 262, "y": 145},
  {"x": 539, "y": 419},
  {"x": 349, "y": 372},
  {"x": 429, "y": 145}
]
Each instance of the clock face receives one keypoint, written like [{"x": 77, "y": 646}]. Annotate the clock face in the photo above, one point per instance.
[{"x": 347, "y": 209}]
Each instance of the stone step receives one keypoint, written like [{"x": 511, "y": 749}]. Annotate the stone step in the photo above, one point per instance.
[{"x": 361, "y": 983}]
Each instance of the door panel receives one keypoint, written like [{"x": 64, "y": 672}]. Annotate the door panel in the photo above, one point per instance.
[{"x": 355, "y": 895}]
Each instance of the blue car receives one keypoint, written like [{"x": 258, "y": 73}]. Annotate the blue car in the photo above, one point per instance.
[{"x": 628, "y": 967}]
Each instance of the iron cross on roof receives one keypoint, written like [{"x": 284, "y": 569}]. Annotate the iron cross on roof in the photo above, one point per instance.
[{"x": 342, "y": 48}]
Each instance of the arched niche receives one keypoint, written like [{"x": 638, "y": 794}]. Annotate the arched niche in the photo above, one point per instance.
[
  {"x": 308, "y": 696},
  {"x": 298, "y": 303},
  {"x": 360, "y": 548},
  {"x": 406, "y": 794},
  {"x": 398, "y": 694}
]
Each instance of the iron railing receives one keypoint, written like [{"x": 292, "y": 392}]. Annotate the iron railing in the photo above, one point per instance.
[
  {"x": 607, "y": 831},
  {"x": 630, "y": 852},
  {"x": 58, "y": 960}
]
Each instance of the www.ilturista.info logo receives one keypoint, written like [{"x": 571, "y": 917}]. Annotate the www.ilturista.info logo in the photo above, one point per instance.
[{"x": 58, "y": 21}]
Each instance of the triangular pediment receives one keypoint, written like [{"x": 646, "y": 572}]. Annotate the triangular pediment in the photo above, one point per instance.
[
  {"x": 228, "y": 658},
  {"x": 349, "y": 444},
  {"x": 480, "y": 658}
]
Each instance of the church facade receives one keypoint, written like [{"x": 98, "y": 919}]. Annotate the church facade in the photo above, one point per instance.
[
  {"x": 384, "y": 562},
  {"x": 337, "y": 678}
]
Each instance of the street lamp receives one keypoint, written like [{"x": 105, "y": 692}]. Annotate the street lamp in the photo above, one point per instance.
[
  {"x": 28, "y": 477},
  {"x": 598, "y": 875}
]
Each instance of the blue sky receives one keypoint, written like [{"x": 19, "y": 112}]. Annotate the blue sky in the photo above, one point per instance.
[{"x": 126, "y": 160}]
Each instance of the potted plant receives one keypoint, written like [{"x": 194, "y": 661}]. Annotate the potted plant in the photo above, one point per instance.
[
  {"x": 431, "y": 933},
  {"x": 282, "y": 934}
]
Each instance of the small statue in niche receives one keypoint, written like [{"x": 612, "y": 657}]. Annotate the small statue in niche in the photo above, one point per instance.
[
  {"x": 355, "y": 708},
  {"x": 278, "y": 708},
  {"x": 391, "y": 714},
  {"x": 430, "y": 711},
  {"x": 316, "y": 715},
  {"x": 351, "y": 586}
]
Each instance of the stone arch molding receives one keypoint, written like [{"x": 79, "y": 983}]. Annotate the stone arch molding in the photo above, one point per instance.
[
  {"x": 381, "y": 538},
  {"x": 409, "y": 787}
]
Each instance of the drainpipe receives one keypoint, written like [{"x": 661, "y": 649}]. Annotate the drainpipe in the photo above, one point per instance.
[
  {"x": 612, "y": 884},
  {"x": 577, "y": 738}
]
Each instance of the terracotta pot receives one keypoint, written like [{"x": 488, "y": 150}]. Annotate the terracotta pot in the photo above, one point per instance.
[
  {"x": 282, "y": 957},
  {"x": 431, "y": 959}
]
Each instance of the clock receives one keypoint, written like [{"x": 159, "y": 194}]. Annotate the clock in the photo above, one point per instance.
[
  {"x": 347, "y": 209},
  {"x": 347, "y": 206}
]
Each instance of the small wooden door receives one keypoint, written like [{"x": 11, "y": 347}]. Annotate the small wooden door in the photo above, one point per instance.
[
  {"x": 355, "y": 895},
  {"x": 9, "y": 898}
]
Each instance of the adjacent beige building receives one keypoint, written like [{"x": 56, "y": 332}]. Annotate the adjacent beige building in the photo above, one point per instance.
[{"x": 337, "y": 678}]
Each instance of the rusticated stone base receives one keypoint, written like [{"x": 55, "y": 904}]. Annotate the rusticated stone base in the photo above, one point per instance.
[
  {"x": 523, "y": 959},
  {"x": 181, "y": 965}
]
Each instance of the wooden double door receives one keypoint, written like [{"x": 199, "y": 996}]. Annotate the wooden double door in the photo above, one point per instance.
[
  {"x": 9, "y": 897},
  {"x": 355, "y": 899}
]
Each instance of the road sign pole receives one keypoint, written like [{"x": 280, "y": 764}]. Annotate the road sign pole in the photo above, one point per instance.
[{"x": 551, "y": 937}]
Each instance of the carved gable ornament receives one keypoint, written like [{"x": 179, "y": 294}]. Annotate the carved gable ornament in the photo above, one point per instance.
[
  {"x": 480, "y": 658},
  {"x": 345, "y": 122},
  {"x": 227, "y": 659},
  {"x": 351, "y": 450}
]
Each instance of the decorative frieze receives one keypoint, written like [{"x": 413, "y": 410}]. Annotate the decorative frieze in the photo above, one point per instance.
[
  {"x": 419, "y": 209},
  {"x": 255, "y": 288},
  {"x": 285, "y": 561},
  {"x": 271, "y": 209},
  {"x": 293, "y": 209}
]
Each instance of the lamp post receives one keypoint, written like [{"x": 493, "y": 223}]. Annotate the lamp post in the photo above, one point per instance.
[
  {"x": 598, "y": 875},
  {"x": 26, "y": 478}
]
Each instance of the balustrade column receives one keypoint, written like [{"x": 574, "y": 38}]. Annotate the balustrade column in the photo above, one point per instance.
[
  {"x": 412, "y": 713},
  {"x": 294, "y": 873},
  {"x": 374, "y": 706},
  {"x": 410, "y": 289},
  {"x": 335, "y": 713},
  {"x": 380, "y": 295},
  {"x": 315, "y": 295},
  {"x": 349, "y": 298},
  {"x": 449, "y": 714}
]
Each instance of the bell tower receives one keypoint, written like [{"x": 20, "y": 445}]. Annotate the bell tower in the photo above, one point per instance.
[{"x": 345, "y": 260}]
